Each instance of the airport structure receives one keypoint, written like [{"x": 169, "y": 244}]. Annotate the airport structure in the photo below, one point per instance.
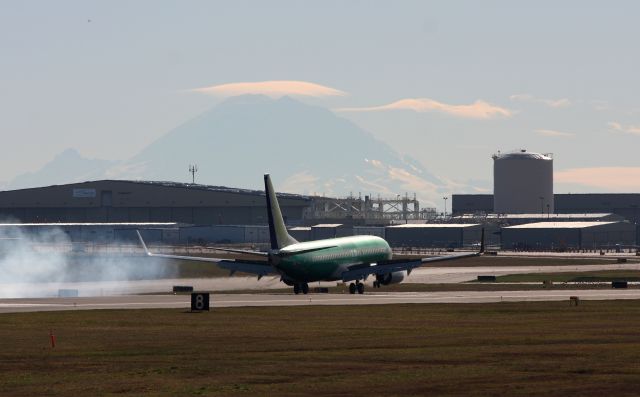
[
  {"x": 522, "y": 183},
  {"x": 143, "y": 201},
  {"x": 447, "y": 235},
  {"x": 136, "y": 201},
  {"x": 625, "y": 205},
  {"x": 568, "y": 235},
  {"x": 523, "y": 212}
]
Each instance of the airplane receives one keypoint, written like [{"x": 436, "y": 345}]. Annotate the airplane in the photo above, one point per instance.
[{"x": 348, "y": 259}]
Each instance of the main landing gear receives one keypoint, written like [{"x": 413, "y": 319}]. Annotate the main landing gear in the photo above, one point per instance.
[
  {"x": 301, "y": 287},
  {"x": 357, "y": 286}
]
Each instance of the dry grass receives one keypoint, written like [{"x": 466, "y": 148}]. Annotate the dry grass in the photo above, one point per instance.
[{"x": 509, "y": 349}]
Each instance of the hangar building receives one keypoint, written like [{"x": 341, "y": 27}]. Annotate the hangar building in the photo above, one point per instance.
[
  {"x": 519, "y": 219},
  {"x": 450, "y": 235},
  {"x": 568, "y": 235},
  {"x": 137, "y": 201},
  {"x": 626, "y": 205}
]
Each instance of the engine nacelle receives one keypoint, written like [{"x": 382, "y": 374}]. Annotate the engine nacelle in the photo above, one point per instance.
[{"x": 391, "y": 278}]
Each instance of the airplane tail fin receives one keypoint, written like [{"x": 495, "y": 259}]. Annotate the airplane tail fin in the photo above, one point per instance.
[{"x": 277, "y": 230}]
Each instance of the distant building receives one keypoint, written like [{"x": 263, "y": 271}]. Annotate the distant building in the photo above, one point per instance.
[
  {"x": 626, "y": 205},
  {"x": 519, "y": 219},
  {"x": 522, "y": 182},
  {"x": 91, "y": 232},
  {"x": 330, "y": 230},
  {"x": 447, "y": 235},
  {"x": 139, "y": 201},
  {"x": 568, "y": 235}
]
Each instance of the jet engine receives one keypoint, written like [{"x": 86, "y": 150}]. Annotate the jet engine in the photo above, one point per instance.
[{"x": 391, "y": 278}]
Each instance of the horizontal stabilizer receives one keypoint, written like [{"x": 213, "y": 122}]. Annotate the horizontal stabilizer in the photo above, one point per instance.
[
  {"x": 239, "y": 251},
  {"x": 259, "y": 268}
]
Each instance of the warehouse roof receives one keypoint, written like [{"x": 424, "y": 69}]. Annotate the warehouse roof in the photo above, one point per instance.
[
  {"x": 192, "y": 186},
  {"x": 539, "y": 215},
  {"x": 435, "y": 225},
  {"x": 559, "y": 225},
  {"x": 604, "y": 216}
]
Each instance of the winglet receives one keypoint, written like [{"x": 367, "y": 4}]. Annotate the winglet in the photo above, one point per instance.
[{"x": 146, "y": 250}]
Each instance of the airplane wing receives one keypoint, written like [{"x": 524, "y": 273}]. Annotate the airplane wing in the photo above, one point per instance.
[
  {"x": 360, "y": 271},
  {"x": 259, "y": 268}
]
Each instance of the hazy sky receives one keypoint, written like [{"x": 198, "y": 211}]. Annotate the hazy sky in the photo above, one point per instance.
[{"x": 448, "y": 82}]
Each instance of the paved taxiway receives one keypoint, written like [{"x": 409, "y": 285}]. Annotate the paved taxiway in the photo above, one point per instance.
[{"x": 239, "y": 300}]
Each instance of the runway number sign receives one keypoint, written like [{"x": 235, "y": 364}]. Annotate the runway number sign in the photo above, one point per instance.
[{"x": 199, "y": 301}]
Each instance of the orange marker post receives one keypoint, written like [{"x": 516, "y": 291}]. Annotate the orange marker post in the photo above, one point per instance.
[{"x": 52, "y": 337}]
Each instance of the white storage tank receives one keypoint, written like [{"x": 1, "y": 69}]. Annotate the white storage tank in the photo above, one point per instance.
[{"x": 522, "y": 183}]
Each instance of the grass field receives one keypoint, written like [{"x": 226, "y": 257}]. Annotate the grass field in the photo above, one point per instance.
[{"x": 509, "y": 349}]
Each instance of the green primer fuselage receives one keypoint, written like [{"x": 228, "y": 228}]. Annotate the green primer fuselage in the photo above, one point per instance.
[{"x": 325, "y": 260}]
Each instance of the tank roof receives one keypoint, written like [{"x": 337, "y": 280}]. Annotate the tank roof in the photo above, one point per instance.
[{"x": 522, "y": 154}]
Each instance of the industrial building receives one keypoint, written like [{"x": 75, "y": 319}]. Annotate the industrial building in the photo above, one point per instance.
[
  {"x": 449, "y": 235},
  {"x": 88, "y": 232},
  {"x": 625, "y": 205},
  {"x": 568, "y": 235},
  {"x": 519, "y": 219},
  {"x": 179, "y": 213},
  {"x": 145, "y": 201},
  {"x": 522, "y": 183},
  {"x": 137, "y": 201}
]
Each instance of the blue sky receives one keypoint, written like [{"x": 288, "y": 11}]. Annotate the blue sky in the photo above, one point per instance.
[{"x": 472, "y": 77}]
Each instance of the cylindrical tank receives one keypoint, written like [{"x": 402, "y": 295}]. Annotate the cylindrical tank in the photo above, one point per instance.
[{"x": 522, "y": 183}]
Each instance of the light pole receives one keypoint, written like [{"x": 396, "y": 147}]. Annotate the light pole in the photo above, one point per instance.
[
  {"x": 193, "y": 169},
  {"x": 445, "y": 198}
]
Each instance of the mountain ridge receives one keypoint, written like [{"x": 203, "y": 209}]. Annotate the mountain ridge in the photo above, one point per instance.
[{"x": 308, "y": 150}]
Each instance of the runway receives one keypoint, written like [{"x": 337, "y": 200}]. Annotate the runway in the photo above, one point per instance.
[
  {"x": 240, "y": 300},
  {"x": 127, "y": 294},
  {"x": 431, "y": 275}
]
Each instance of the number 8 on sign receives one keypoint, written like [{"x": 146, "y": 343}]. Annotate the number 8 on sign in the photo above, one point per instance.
[{"x": 199, "y": 301}]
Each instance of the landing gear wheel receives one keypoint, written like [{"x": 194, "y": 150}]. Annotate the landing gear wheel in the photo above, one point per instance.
[
  {"x": 305, "y": 288},
  {"x": 376, "y": 284},
  {"x": 296, "y": 289},
  {"x": 360, "y": 287},
  {"x": 352, "y": 288}
]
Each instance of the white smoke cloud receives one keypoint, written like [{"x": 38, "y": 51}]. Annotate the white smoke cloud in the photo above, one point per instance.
[{"x": 39, "y": 263}]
